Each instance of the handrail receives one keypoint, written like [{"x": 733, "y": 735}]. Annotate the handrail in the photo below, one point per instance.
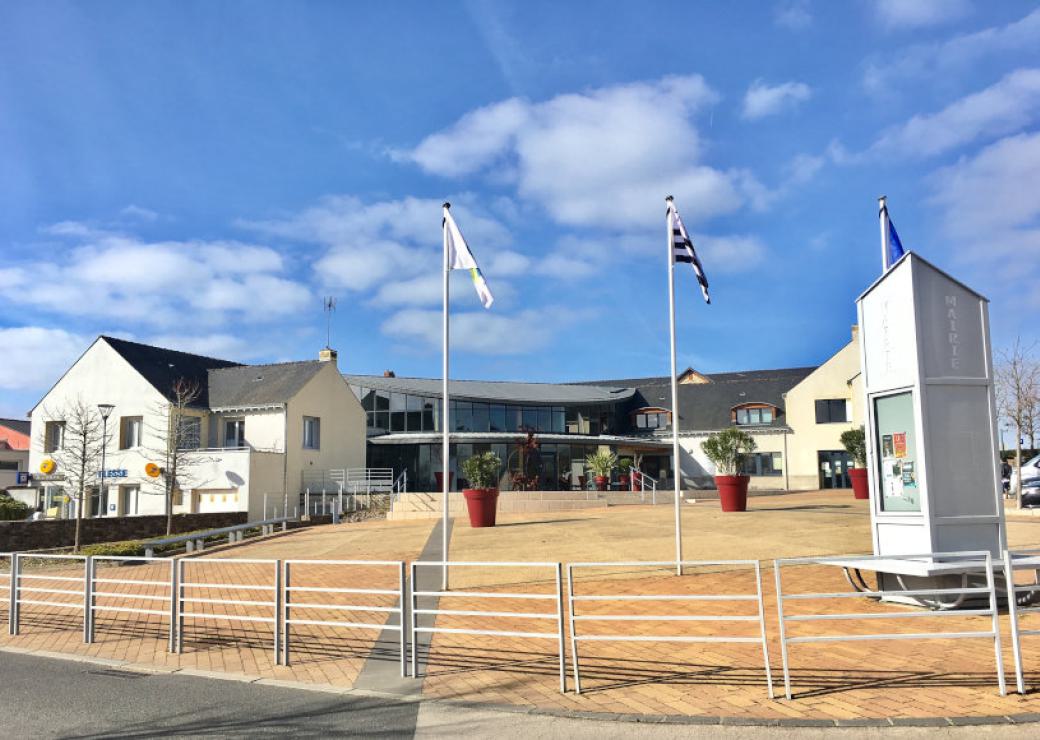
[{"x": 196, "y": 540}]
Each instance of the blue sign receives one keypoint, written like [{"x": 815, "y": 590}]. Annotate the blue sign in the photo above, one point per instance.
[
  {"x": 112, "y": 473},
  {"x": 23, "y": 478}
]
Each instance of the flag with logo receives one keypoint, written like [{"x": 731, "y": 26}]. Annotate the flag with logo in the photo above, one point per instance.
[
  {"x": 682, "y": 248},
  {"x": 460, "y": 258},
  {"x": 894, "y": 246}
]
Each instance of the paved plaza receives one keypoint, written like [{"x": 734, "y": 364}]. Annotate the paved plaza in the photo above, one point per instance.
[{"x": 857, "y": 682}]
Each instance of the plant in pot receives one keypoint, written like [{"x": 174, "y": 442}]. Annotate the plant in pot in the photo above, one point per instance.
[
  {"x": 602, "y": 464},
  {"x": 727, "y": 450},
  {"x": 855, "y": 443},
  {"x": 481, "y": 472},
  {"x": 624, "y": 465}
]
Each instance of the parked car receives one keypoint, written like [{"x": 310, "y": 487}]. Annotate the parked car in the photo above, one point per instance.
[
  {"x": 1030, "y": 471},
  {"x": 1031, "y": 493}
]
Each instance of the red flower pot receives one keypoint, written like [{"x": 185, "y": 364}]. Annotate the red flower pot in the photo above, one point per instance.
[
  {"x": 601, "y": 482},
  {"x": 482, "y": 505},
  {"x": 440, "y": 480},
  {"x": 623, "y": 481},
  {"x": 860, "y": 487},
  {"x": 732, "y": 491}
]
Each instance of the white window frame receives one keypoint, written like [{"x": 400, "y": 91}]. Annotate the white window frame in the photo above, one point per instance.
[
  {"x": 240, "y": 432},
  {"x": 50, "y": 444},
  {"x": 131, "y": 432},
  {"x": 312, "y": 432}
]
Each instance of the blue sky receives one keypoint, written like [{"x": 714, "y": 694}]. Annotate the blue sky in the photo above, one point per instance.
[{"x": 200, "y": 174}]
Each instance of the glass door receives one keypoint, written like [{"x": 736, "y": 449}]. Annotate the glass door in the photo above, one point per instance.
[{"x": 834, "y": 468}]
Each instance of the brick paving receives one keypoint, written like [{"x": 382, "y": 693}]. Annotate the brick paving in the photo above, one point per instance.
[{"x": 832, "y": 682}]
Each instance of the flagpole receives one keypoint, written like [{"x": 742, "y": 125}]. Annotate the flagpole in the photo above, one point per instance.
[
  {"x": 883, "y": 215},
  {"x": 445, "y": 417},
  {"x": 676, "y": 465}
]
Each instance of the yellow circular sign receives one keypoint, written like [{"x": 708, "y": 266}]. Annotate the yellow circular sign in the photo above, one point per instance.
[
  {"x": 47, "y": 466},
  {"x": 152, "y": 470}
]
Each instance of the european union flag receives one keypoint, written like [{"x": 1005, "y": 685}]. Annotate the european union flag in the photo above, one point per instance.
[{"x": 895, "y": 247}]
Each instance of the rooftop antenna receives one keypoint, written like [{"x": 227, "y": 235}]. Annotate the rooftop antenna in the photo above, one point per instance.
[{"x": 328, "y": 305}]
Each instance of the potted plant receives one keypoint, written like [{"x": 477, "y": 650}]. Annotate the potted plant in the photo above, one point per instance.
[
  {"x": 602, "y": 464},
  {"x": 727, "y": 450},
  {"x": 481, "y": 472},
  {"x": 624, "y": 465},
  {"x": 855, "y": 443}
]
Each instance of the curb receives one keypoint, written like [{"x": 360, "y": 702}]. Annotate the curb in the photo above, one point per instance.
[{"x": 665, "y": 719}]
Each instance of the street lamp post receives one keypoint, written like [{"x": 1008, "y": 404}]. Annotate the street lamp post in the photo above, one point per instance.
[{"x": 105, "y": 409}]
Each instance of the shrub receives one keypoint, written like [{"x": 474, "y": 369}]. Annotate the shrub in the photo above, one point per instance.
[
  {"x": 602, "y": 463},
  {"x": 728, "y": 449},
  {"x": 11, "y": 510},
  {"x": 482, "y": 470},
  {"x": 128, "y": 548},
  {"x": 855, "y": 443}
]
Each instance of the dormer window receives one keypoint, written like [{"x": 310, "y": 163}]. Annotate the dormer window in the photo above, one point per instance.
[
  {"x": 651, "y": 418},
  {"x": 750, "y": 414}
]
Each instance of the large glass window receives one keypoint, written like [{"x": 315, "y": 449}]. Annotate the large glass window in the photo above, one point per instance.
[
  {"x": 463, "y": 416},
  {"x": 544, "y": 419},
  {"x": 189, "y": 433},
  {"x": 897, "y": 444},
  {"x": 397, "y": 412},
  {"x": 530, "y": 418},
  {"x": 559, "y": 425},
  {"x": 480, "y": 417},
  {"x": 497, "y": 419},
  {"x": 413, "y": 415},
  {"x": 382, "y": 400},
  {"x": 763, "y": 463},
  {"x": 430, "y": 415}
]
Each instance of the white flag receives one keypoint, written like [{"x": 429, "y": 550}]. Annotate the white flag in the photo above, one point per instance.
[{"x": 460, "y": 258}]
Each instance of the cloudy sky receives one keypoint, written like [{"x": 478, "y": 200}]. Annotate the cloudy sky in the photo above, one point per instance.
[{"x": 200, "y": 174}]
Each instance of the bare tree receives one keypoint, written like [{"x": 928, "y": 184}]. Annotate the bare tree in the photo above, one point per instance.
[
  {"x": 1018, "y": 394},
  {"x": 175, "y": 440},
  {"x": 78, "y": 453}
]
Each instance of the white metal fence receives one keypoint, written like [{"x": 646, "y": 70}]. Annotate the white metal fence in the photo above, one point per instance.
[
  {"x": 966, "y": 562},
  {"x": 52, "y": 584},
  {"x": 1020, "y": 598},
  {"x": 7, "y": 585},
  {"x": 674, "y": 620},
  {"x": 107, "y": 594},
  {"x": 293, "y": 606},
  {"x": 495, "y": 617},
  {"x": 256, "y": 610}
]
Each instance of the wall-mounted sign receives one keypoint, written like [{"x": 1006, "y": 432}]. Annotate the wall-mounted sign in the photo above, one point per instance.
[
  {"x": 112, "y": 473},
  {"x": 47, "y": 466},
  {"x": 23, "y": 478},
  {"x": 51, "y": 477},
  {"x": 152, "y": 470}
]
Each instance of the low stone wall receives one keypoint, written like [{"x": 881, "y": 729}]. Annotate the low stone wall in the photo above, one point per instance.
[{"x": 48, "y": 533}]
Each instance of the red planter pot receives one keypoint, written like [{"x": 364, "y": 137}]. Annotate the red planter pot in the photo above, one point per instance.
[
  {"x": 482, "y": 505},
  {"x": 860, "y": 487},
  {"x": 440, "y": 480},
  {"x": 623, "y": 481},
  {"x": 732, "y": 491},
  {"x": 601, "y": 482}
]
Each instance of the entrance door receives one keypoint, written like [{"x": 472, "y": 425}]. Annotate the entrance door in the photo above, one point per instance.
[
  {"x": 128, "y": 500},
  {"x": 834, "y": 468}
]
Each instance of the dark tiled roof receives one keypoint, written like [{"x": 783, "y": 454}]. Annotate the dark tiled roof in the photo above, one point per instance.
[
  {"x": 16, "y": 425},
  {"x": 163, "y": 367},
  {"x": 246, "y": 386},
  {"x": 502, "y": 391},
  {"x": 779, "y": 373}
]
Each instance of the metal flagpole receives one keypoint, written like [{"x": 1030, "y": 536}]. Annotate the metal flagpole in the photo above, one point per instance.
[
  {"x": 883, "y": 215},
  {"x": 445, "y": 475},
  {"x": 676, "y": 466}
]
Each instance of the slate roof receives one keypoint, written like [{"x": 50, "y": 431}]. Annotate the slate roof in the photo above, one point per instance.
[
  {"x": 16, "y": 425},
  {"x": 501, "y": 391},
  {"x": 248, "y": 386},
  {"x": 163, "y": 367}
]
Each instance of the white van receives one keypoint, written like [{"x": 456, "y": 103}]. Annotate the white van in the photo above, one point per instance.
[{"x": 1030, "y": 469}]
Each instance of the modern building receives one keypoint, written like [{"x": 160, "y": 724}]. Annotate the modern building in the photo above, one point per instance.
[
  {"x": 14, "y": 451},
  {"x": 244, "y": 433},
  {"x": 795, "y": 415}
]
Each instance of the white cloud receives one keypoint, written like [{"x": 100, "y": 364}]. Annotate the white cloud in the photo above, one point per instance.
[
  {"x": 762, "y": 99},
  {"x": 483, "y": 332},
  {"x": 1007, "y": 106},
  {"x": 944, "y": 59},
  {"x": 793, "y": 14},
  {"x": 94, "y": 273},
  {"x": 605, "y": 157},
  {"x": 732, "y": 253},
  {"x": 912, "y": 14},
  {"x": 35, "y": 356},
  {"x": 138, "y": 213}
]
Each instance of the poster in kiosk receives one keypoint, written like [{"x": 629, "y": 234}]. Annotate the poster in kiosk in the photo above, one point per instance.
[{"x": 931, "y": 414}]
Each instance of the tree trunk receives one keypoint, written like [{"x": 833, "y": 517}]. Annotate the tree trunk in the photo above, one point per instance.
[{"x": 79, "y": 504}]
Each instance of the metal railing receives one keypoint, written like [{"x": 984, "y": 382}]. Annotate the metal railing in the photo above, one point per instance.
[
  {"x": 7, "y": 583},
  {"x": 755, "y": 597},
  {"x": 971, "y": 562},
  {"x": 349, "y": 480},
  {"x": 19, "y": 589},
  {"x": 169, "y": 586},
  {"x": 557, "y": 616},
  {"x": 196, "y": 541},
  {"x": 290, "y": 606},
  {"x": 643, "y": 481},
  {"x": 183, "y": 586},
  {"x": 1021, "y": 560}
]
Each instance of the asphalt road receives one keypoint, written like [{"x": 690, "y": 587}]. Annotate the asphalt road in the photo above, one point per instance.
[{"x": 52, "y": 698}]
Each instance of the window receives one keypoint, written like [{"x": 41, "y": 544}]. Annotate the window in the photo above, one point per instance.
[
  {"x": 498, "y": 419},
  {"x": 130, "y": 428},
  {"x": 763, "y": 463},
  {"x": 754, "y": 415},
  {"x": 235, "y": 433},
  {"x": 832, "y": 411},
  {"x": 54, "y": 436},
  {"x": 9, "y": 465},
  {"x": 480, "y": 417},
  {"x": 189, "y": 433},
  {"x": 311, "y": 433},
  {"x": 413, "y": 413},
  {"x": 652, "y": 420},
  {"x": 128, "y": 496}
]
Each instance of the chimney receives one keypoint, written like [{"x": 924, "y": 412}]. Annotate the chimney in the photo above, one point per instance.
[
  {"x": 389, "y": 374},
  {"x": 328, "y": 355}
]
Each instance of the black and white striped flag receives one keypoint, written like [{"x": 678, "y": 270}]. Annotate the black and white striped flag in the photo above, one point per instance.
[{"x": 682, "y": 247}]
